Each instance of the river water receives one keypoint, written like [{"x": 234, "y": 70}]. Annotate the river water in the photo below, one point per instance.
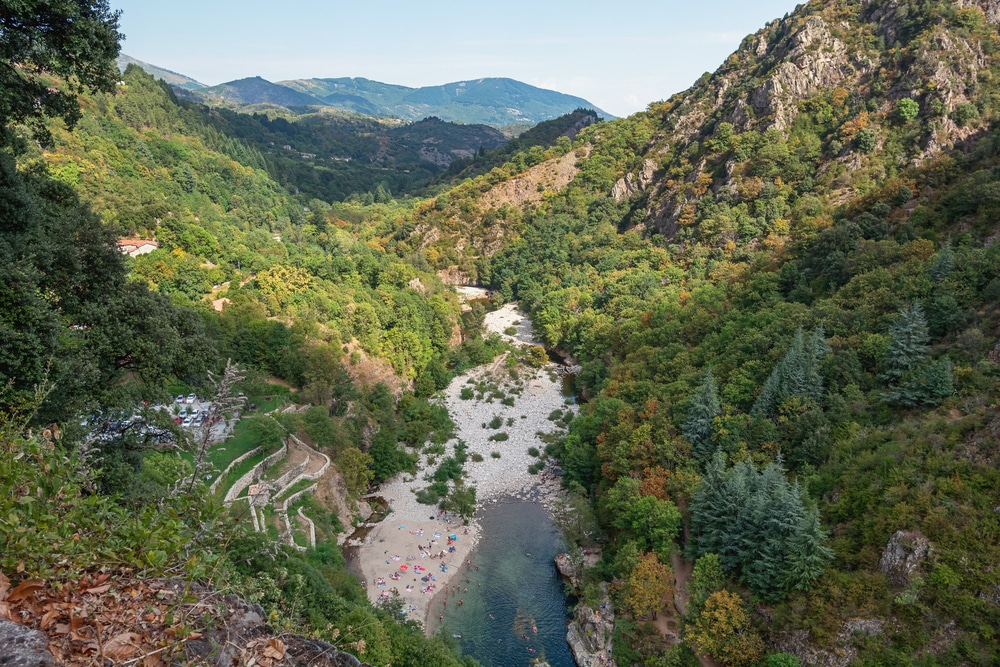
[{"x": 514, "y": 606}]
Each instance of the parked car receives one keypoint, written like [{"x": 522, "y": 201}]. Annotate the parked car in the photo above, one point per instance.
[
  {"x": 191, "y": 398},
  {"x": 179, "y": 399},
  {"x": 187, "y": 421}
]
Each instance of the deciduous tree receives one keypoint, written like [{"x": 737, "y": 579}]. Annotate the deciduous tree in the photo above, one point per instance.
[
  {"x": 723, "y": 630},
  {"x": 649, "y": 586}
]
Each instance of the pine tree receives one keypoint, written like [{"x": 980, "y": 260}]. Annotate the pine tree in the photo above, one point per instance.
[
  {"x": 796, "y": 375},
  {"x": 816, "y": 348},
  {"x": 710, "y": 511},
  {"x": 909, "y": 343},
  {"x": 807, "y": 554},
  {"x": 757, "y": 523},
  {"x": 916, "y": 380},
  {"x": 705, "y": 407},
  {"x": 780, "y": 511}
]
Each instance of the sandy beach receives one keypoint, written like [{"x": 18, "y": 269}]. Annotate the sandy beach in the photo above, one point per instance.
[{"x": 410, "y": 551}]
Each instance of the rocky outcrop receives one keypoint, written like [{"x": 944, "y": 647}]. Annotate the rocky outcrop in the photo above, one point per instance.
[
  {"x": 903, "y": 555},
  {"x": 568, "y": 569},
  {"x": 242, "y": 632},
  {"x": 843, "y": 651},
  {"x": 23, "y": 647},
  {"x": 589, "y": 633},
  {"x": 631, "y": 183},
  {"x": 813, "y": 60}
]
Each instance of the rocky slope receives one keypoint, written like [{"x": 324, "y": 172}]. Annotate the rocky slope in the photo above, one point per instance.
[{"x": 868, "y": 55}]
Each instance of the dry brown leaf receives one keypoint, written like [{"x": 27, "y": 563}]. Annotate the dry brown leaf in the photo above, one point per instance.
[
  {"x": 153, "y": 661},
  {"x": 4, "y": 586},
  {"x": 123, "y": 646},
  {"x": 275, "y": 649},
  {"x": 97, "y": 590},
  {"x": 61, "y": 629},
  {"x": 48, "y": 617},
  {"x": 25, "y": 589}
]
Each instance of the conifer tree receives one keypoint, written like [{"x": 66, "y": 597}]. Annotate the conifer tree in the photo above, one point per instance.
[
  {"x": 710, "y": 513},
  {"x": 914, "y": 378},
  {"x": 929, "y": 384},
  {"x": 796, "y": 375},
  {"x": 908, "y": 346},
  {"x": 757, "y": 524},
  {"x": 705, "y": 407},
  {"x": 807, "y": 555}
]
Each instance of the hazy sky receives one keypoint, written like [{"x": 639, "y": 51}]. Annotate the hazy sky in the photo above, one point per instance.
[{"x": 620, "y": 58}]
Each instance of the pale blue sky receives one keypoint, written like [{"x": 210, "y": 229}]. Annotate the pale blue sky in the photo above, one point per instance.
[{"x": 620, "y": 58}]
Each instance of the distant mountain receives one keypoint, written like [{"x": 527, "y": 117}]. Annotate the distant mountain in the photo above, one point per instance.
[
  {"x": 492, "y": 101},
  {"x": 173, "y": 78},
  {"x": 255, "y": 90},
  {"x": 498, "y": 102}
]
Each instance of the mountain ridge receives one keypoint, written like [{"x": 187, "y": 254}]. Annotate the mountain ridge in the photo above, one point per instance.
[{"x": 495, "y": 101}]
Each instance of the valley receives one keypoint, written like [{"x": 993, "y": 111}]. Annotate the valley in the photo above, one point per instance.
[{"x": 773, "y": 441}]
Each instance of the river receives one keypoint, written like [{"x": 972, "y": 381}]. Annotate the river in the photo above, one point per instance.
[{"x": 514, "y": 610}]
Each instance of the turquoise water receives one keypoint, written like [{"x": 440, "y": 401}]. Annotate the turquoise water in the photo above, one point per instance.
[{"x": 512, "y": 591}]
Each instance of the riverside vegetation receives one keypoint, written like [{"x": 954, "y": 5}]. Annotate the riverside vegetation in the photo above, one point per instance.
[{"x": 781, "y": 285}]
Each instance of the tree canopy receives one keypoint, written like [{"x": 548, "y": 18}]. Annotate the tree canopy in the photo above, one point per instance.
[{"x": 74, "y": 40}]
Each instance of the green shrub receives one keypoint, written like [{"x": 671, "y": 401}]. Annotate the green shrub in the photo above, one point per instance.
[
  {"x": 466, "y": 394},
  {"x": 496, "y": 422},
  {"x": 907, "y": 109},
  {"x": 964, "y": 114},
  {"x": 495, "y": 455},
  {"x": 866, "y": 140},
  {"x": 533, "y": 451},
  {"x": 499, "y": 437},
  {"x": 477, "y": 457}
]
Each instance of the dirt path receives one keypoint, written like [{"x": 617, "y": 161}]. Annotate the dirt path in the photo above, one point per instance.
[{"x": 682, "y": 577}]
